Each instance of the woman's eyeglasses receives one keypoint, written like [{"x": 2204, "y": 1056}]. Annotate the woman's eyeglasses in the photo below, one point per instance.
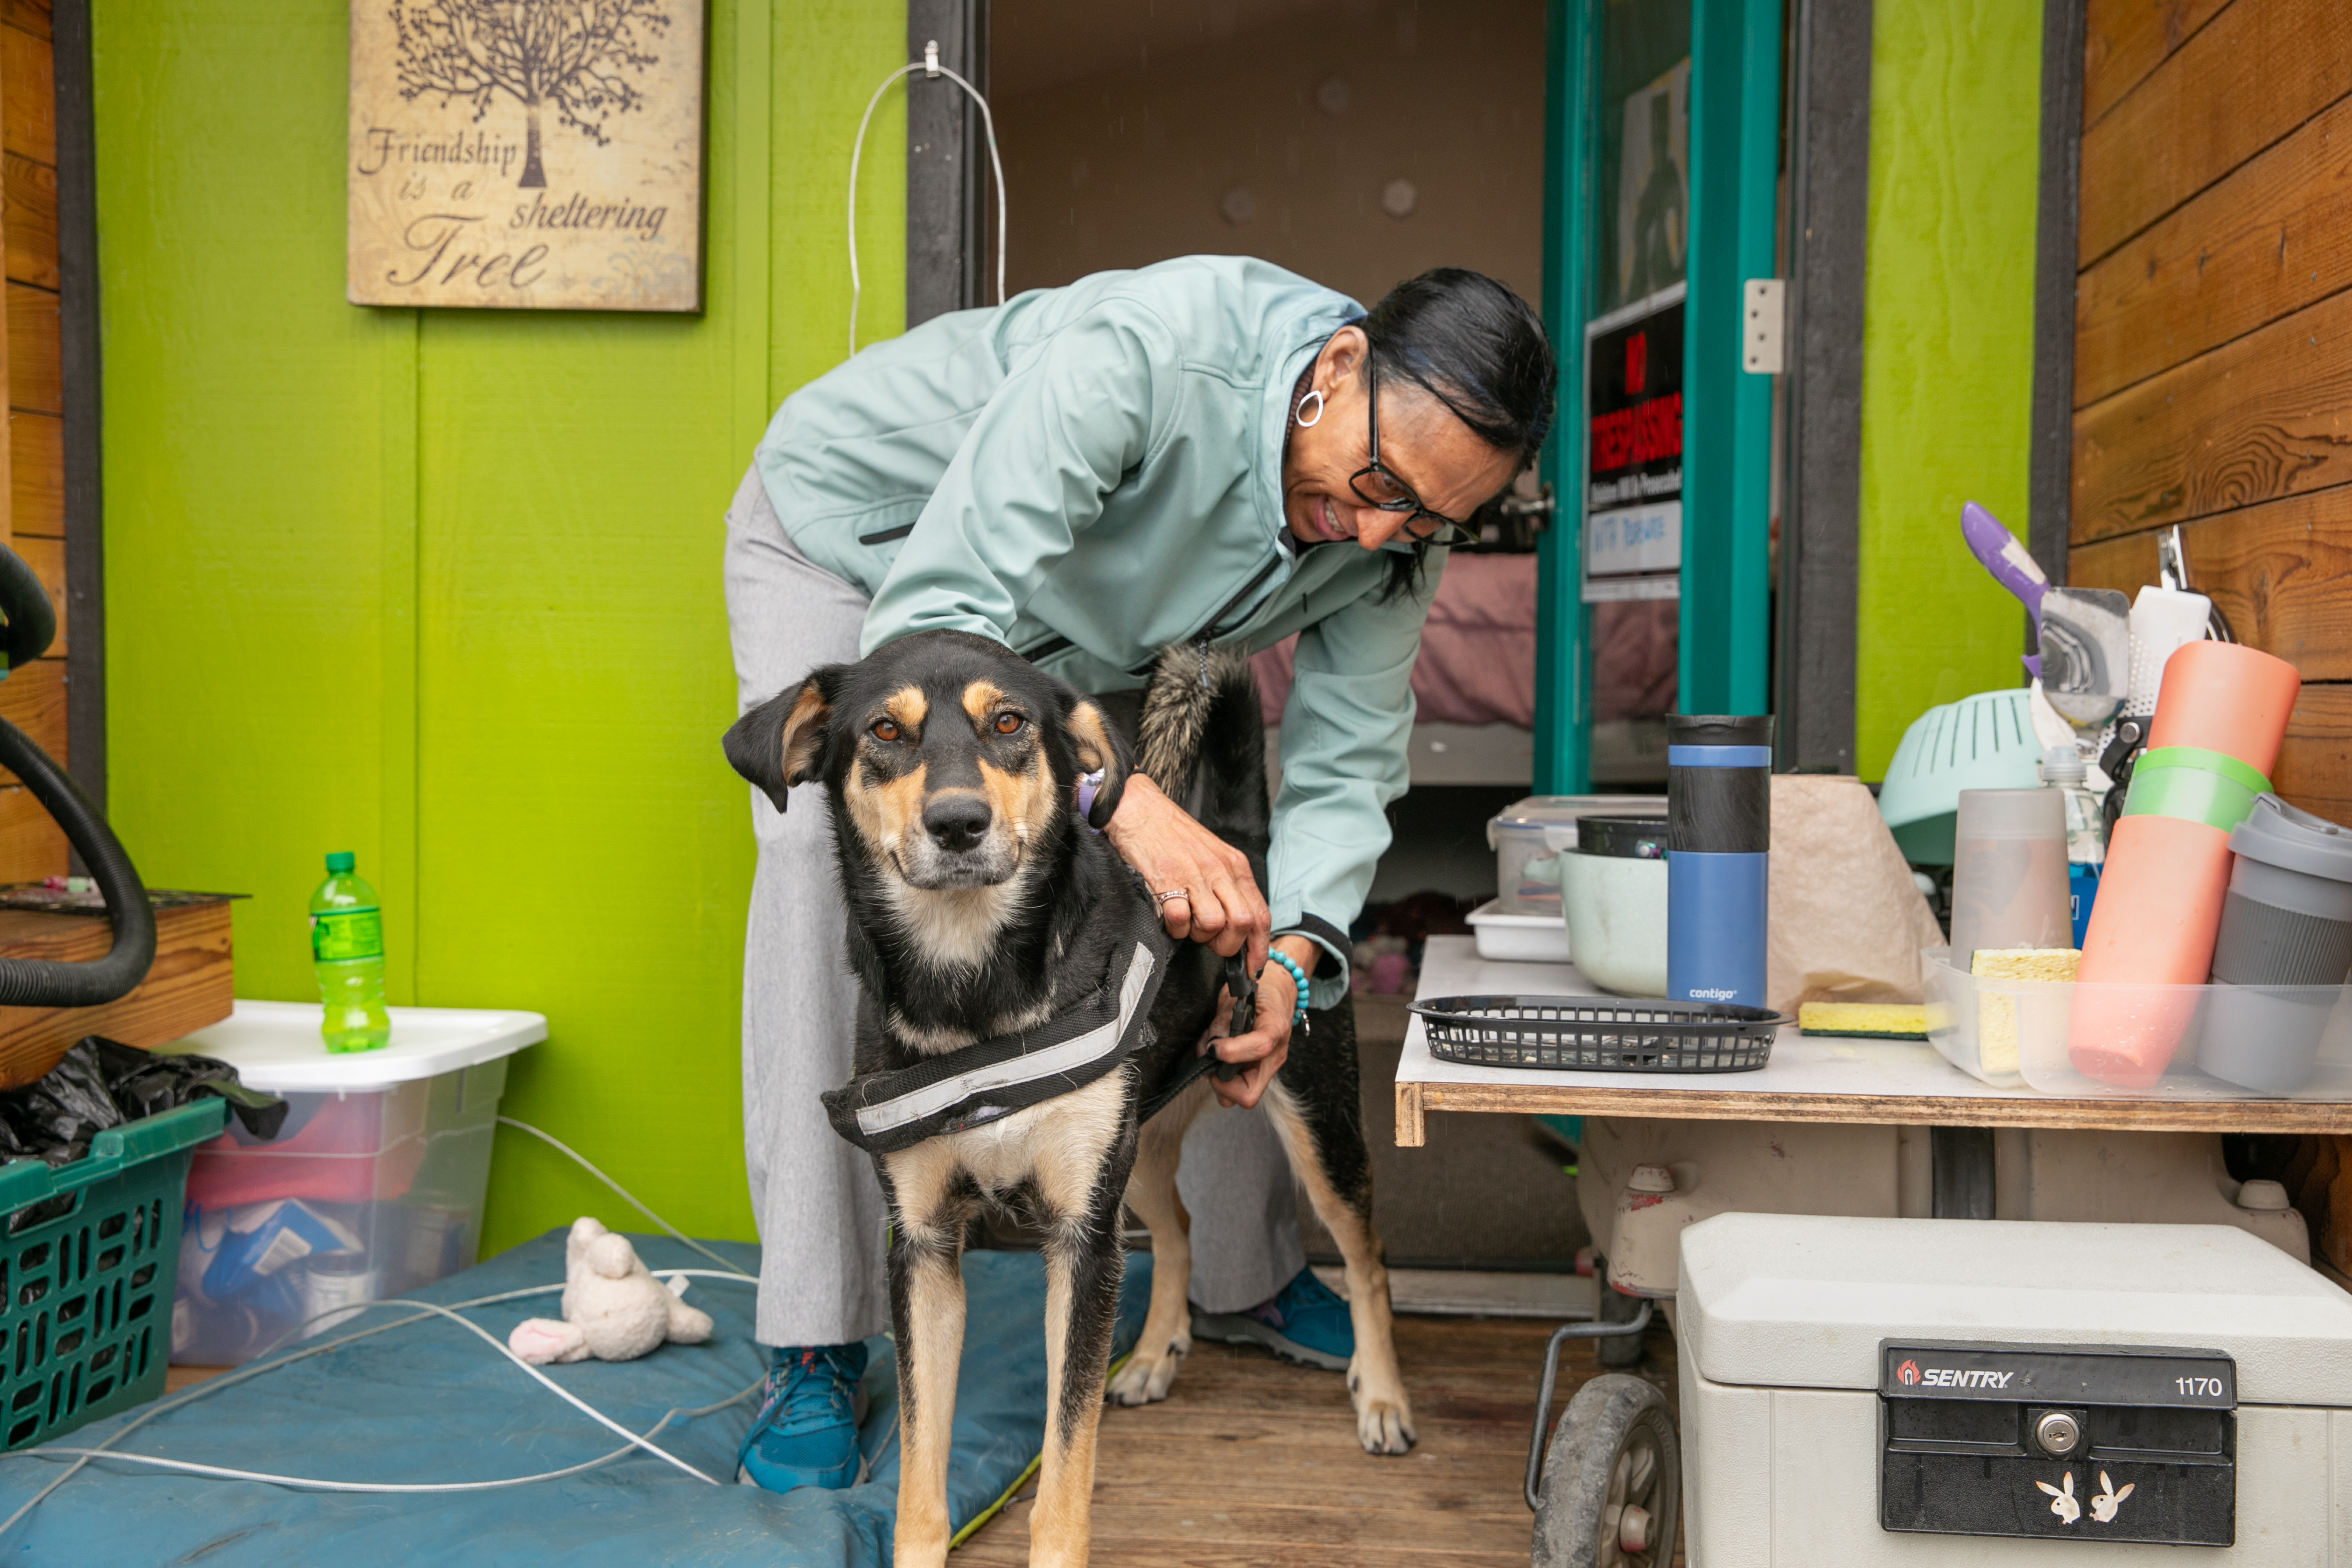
[{"x": 1376, "y": 487}]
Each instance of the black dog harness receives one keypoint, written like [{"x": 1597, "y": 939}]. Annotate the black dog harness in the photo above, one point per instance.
[{"x": 882, "y": 1112}]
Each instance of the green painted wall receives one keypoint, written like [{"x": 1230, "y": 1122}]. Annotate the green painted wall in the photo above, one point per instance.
[
  {"x": 442, "y": 587},
  {"x": 1948, "y": 360}
]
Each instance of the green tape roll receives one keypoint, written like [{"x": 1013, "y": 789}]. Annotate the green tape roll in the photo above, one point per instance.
[{"x": 2195, "y": 785}]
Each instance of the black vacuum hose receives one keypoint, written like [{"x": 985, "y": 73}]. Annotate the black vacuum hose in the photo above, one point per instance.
[
  {"x": 44, "y": 983},
  {"x": 31, "y": 621}
]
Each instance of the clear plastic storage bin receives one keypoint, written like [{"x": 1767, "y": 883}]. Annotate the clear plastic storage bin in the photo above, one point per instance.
[
  {"x": 2097, "y": 1041},
  {"x": 372, "y": 1187},
  {"x": 1955, "y": 1019},
  {"x": 1526, "y": 877}
]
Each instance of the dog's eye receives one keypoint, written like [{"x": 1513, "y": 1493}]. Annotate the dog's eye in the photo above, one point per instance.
[
  {"x": 885, "y": 730},
  {"x": 1008, "y": 723}
]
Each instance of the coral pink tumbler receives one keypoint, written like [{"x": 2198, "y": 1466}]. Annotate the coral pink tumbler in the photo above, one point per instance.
[{"x": 2221, "y": 714}]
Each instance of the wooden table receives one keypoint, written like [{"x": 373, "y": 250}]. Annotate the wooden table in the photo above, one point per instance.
[{"x": 1807, "y": 1079}]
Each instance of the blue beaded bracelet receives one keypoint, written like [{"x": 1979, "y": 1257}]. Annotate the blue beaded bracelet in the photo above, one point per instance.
[{"x": 1296, "y": 975}]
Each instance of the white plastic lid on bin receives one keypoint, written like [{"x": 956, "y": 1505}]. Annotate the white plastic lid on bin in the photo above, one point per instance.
[
  {"x": 275, "y": 1046},
  {"x": 1801, "y": 1301}
]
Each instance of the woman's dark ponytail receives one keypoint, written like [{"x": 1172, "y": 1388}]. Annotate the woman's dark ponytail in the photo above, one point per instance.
[{"x": 1474, "y": 346}]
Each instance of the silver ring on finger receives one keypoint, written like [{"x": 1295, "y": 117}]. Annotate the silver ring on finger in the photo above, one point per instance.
[{"x": 1172, "y": 895}]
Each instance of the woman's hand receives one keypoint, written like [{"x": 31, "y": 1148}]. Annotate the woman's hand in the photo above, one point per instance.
[
  {"x": 1220, "y": 905},
  {"x": 1267, "y": 1045}
]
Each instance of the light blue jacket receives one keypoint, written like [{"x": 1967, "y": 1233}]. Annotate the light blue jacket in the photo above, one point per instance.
[{"x": 1088, "y": 474}]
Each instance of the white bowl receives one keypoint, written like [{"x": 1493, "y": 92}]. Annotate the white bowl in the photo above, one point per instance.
[{"x": 1616, "y": 909}]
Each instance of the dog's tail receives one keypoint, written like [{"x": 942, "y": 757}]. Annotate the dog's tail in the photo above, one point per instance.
[{"x": 1202, "y": 738}]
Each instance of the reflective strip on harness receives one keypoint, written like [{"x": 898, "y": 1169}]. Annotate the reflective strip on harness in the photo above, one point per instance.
[
  {"x": 1068, "y": 1059},
  {"x": 885, "y": 1111}
]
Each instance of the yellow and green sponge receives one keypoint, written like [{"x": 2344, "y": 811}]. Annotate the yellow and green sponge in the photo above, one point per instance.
[{"x": 1864, "y": 1020}]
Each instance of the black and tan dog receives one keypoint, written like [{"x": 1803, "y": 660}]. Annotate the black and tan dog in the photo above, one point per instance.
[{"x": 981, "y": 907}]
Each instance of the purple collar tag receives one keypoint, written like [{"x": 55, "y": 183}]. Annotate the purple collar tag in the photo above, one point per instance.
[{"x": 1087, "y": 785}]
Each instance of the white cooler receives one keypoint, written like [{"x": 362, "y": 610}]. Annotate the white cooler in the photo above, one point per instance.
[{"x": 1982, "y": 1392}]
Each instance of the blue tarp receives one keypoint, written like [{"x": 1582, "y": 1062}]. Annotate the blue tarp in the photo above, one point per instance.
[{"x": 429, "y": 1401}]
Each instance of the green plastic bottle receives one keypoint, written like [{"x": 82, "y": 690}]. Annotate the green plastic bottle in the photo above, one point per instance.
[{"x": 347, "y": 949}]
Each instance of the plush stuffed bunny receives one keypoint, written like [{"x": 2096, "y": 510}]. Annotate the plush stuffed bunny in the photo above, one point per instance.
[{"x": 614, "y": 1308}]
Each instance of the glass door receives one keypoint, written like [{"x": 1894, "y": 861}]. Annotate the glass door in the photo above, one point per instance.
[{"x": 1662, "y": 176}]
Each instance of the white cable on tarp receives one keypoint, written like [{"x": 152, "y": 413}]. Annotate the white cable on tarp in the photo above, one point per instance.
[
  {"x": 419, "y": 1311},
  {"x": 310, "y": 1484},
  {"x": 931, "y": 69}
]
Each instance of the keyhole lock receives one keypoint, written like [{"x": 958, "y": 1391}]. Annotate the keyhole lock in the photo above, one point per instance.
[{"x": 2058, "y": 1433}]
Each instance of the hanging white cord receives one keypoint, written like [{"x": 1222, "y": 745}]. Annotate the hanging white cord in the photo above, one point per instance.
[
  {"x": 666, "y": 1228},
  {"x": 931, "y": 69}
]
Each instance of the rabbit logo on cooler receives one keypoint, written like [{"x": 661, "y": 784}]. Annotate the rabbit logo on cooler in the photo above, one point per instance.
[
  {"x": 2062, "y": 1498},
  {"x": 2104, "y": 1502}
]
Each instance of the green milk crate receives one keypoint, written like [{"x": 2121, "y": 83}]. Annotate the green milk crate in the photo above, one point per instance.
[{"x": 87, "y": 1272}]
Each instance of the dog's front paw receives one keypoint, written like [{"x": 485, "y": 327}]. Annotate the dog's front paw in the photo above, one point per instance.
[
  {"x": 1146, "y": 1378},
  {"x": 1383, "y": 1418}
]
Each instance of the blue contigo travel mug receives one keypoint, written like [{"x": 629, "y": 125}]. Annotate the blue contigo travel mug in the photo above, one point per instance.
[{"x": 1718, "y": 830}]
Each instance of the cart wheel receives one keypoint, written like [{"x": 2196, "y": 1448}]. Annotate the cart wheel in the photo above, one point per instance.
[
  {"x": 1616, "y": 1354},
  {"x": 1612, "y": 1481}
]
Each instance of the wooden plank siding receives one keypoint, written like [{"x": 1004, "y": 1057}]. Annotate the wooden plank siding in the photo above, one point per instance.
[
  {"x": 2123, "y": 40},
  {"x": 2249, "y": 77},
  {"x": 2213, "y": 361},
  {"x": 32, "y": 461},
  {"x": 2261, "y": 243}
]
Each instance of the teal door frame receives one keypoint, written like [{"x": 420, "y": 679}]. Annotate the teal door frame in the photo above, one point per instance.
[
  {"x": 1563, "y": 664},
  {"x": 1724, "y": 643},
  {"x": 1725, "y": 634}
]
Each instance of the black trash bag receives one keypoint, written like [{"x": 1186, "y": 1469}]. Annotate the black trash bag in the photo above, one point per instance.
[
  {"x": 144, "y": 1082},
  {"x": 55, "y": 1117},
  {"x": 101, "y": 1083}
]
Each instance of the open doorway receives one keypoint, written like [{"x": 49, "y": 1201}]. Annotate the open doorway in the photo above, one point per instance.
[{"x": 1357, "y": 142}]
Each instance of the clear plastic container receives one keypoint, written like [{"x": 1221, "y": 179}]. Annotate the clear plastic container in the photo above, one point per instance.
[
  {"x": 1526, "y": 875},
  {"x": 359, "y": 1197},
  {"x": 373, "y": 1185},
  {"x": 2237, "y": 1041},
  {"x": 1955, "y": 1022}
]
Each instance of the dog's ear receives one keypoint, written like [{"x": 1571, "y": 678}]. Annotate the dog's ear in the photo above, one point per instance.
[
  {"x": 1099, "y": 745},
  {"x": 776, "y": 744}
]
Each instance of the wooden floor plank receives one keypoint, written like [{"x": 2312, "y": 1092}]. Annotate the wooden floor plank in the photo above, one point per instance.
[{"x": 1253, "y": 1463}]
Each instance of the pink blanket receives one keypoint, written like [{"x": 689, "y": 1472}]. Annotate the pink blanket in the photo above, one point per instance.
[{"x": 1477, "y": 663}]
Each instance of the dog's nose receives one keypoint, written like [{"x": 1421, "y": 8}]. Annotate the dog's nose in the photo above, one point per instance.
[{"x": 956, "y": 822}]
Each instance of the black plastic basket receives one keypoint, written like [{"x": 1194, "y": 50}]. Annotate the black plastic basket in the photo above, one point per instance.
[{"x": 1597, "y": 1033}]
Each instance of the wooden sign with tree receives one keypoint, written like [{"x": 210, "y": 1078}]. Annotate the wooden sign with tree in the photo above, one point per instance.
[{"x": 527, "y": 154}]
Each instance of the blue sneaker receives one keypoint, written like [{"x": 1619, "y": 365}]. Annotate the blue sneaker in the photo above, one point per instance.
[
  {"x": 806, "y": 1432},
  {"x": 1304, "y": 1322}
]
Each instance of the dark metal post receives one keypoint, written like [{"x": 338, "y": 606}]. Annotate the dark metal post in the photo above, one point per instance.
[
  {"x": 947, "y": 162},
  {"x": 2051, "y": 473},
  {"x": 78, "y": 335},
  {"x": 1820, "y": 521}
]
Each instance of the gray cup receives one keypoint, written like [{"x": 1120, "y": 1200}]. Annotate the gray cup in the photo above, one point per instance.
[{"x": 2287, "y": 922}]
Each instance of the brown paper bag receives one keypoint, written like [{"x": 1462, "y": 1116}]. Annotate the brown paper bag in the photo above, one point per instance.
[{"x": 1847, "y": 922}]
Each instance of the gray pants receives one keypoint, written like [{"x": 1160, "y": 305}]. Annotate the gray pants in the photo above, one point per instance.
[{"x": 818, "y": 1207}]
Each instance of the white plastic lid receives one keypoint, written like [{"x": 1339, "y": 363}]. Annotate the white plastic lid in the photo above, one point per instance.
[
  {"x": 275, "y": 1046},
  {"x": 1801, "y": 1301}
]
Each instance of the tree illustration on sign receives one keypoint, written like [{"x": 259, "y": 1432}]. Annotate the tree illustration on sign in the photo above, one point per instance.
[{"x": 570, "y": 54}]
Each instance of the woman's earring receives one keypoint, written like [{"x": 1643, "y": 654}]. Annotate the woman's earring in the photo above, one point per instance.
[{"x": 1299, "y": 414}]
